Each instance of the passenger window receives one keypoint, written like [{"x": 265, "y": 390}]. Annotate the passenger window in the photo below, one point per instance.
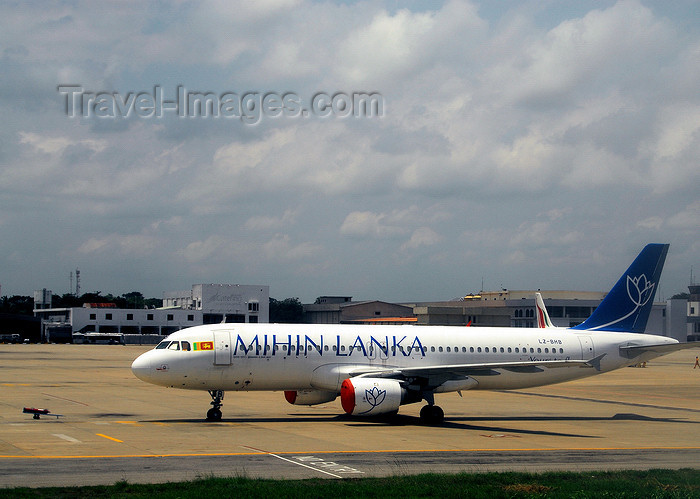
[
  {"x": 440, "y": 349},
  {"x": 432, "y": 349},
  {"x": 479, "y": 349},
  {"x": 186, "y": 346},
  {"x": 539, "y": 350},
  {"x": 175, "y": 345},
  {"x": 471, "y": 349},
  {"x": 502, "y": 350},
  {"x": 449, "y": 349},
  {"x": 486, "y": 349},
  {"x": 162, "y": 345}
]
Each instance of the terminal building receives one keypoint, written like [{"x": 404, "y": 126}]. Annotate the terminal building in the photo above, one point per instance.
[
  {"x": 203, "y": 304},
  {"x": 504, "y": 308}
]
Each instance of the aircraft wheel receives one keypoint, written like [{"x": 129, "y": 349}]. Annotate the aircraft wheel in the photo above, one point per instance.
[
  {"x": 432, "y": 414},
  {"x": 214, "y": 415}
]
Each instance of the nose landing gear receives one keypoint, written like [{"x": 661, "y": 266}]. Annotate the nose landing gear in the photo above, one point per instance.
[{"x": 214, "y": 414}]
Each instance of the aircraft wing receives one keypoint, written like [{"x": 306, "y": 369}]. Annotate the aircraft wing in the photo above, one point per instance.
[{"x": 438, "y": 374}]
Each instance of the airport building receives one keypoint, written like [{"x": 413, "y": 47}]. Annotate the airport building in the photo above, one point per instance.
[
  {"x": 693, "y": 312},
  {"x": 504, "y": 308},
  {"x": 203, "y": 304}
]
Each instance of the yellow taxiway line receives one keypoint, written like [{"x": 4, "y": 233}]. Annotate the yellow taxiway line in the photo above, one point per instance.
[{"x": 405, "y": 451}]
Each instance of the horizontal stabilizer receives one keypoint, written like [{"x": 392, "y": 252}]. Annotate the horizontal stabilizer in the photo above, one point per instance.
[{"x": 632, "y": 351}]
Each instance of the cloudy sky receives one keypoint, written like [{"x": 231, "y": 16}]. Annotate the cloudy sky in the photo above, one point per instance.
[{"x": 528, "y": 144}]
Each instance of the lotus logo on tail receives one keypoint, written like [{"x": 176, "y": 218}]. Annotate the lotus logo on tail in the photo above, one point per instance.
[{"x": 639, "y": 290}]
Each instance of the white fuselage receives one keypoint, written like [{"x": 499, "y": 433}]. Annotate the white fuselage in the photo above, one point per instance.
[{"x": 320, "y": 357}]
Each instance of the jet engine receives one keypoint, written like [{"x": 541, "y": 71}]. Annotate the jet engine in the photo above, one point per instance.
[
  {"x": 371, "y": 396},
  {"x": 309, "y": 397}
]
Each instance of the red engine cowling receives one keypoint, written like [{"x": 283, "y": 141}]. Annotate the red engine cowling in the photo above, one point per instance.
[
  {"x": 309, "y": 397},
  {"x": 371, "y": 396}
]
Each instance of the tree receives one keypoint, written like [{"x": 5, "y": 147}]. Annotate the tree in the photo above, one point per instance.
[
  {"x": 289, "y": 310},
  {"x": 134, "y": 299},
  {"x": 680, "y": 296},
  {"x": 153, "y": 302},
  {"x": 23, "y": 305},
  {"x": 67, "y": 300}
]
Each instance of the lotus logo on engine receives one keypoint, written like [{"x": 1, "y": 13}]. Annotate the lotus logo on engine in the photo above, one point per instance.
[{"x": 375, "y": 396}]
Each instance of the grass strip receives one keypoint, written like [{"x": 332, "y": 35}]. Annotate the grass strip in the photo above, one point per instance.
[{"x": 684, "y": 483}]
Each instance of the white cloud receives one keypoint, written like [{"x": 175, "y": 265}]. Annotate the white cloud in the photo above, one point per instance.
[
  {"x": 367, "y": 224},
  {"x": 422, "y": 236},
  {"x": 263, "y": 222},
  {"x": 687, "y": 219},
  {"x": 281, "y": 249},
  {"x": 127, "y": 244}
]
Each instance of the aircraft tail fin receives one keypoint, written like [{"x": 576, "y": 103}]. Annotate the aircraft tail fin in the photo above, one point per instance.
[
  {"x": 543, "y": 319},
  {"x": 627, "y": 306}
]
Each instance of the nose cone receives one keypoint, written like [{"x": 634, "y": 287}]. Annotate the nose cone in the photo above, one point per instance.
[{"x": 142, "y": 368}]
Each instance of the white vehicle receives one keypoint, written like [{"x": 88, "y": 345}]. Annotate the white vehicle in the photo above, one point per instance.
[{"x": 376, "y": 369}]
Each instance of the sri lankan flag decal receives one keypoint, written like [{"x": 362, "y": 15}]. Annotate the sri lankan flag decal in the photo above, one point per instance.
[{"x": 204, "y": 345}]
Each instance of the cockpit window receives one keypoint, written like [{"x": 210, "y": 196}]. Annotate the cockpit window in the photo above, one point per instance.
[
  {"x": 162, "y": 345},
  {"x": 175, "y": 345},
  {"x": 186, "y": 346}
]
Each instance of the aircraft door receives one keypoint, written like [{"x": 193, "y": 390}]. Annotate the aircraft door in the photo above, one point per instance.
[
  {"x": 587, "y": 350},
  {"x": 222, "y": 348},
  {"x": 378, "y": 351}
]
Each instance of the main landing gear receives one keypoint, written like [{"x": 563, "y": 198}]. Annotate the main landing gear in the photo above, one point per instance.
[
  {"x": 214, "y": 414},
  {"x": 431, "y": 414}
]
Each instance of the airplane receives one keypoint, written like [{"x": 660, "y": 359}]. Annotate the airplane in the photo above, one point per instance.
[{"x": 377, "y": 368}]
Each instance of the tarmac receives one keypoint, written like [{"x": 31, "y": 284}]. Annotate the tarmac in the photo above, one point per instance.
[{"x": 115, "y": 427}]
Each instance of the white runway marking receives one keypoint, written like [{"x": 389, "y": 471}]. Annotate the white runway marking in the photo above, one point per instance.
[
  {"x": 67, "y": 438},
  {"x": 293, "y": 462},
  {"x": 302, "y": 464}
]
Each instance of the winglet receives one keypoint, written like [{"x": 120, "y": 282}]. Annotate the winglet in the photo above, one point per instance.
[{"x": 627, "y": 306}]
